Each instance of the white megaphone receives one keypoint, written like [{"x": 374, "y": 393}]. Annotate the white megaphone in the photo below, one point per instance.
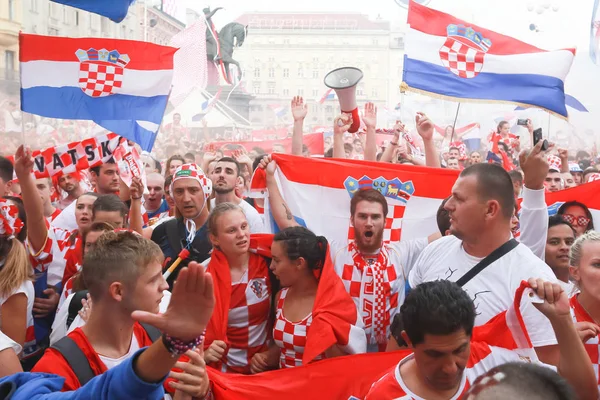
[{"x": 344, "y": 81}]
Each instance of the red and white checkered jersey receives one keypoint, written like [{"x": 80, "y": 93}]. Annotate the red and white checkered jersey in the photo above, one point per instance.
[
  {"x": 26, "y": 288},
  {"x": 58, "y": 249},
  {"x": 55, "y": 214},
  {"x": 289, "y": 336},
  {"x": 511, "y": 141},
  {"x": 592, "y": 346},
  {"x": 362, "y": 279},
  {"x": 482, "y": 359},
  {"x": 248, "y": 316}
]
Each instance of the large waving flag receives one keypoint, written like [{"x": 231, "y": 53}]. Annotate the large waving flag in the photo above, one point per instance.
[
  {"x": 122, "y": 85},
  {"x": 318, "y": 193},
  {"x": 115, "y": 10},
  {"x": 503, "y": 339},
  {"x": 457, "y": 60}
]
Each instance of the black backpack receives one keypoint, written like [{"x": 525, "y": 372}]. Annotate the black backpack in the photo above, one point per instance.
[{"x": 74, "y": 355}]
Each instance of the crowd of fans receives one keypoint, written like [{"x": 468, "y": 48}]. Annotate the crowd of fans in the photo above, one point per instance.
[{"x": 138, "y": 289}]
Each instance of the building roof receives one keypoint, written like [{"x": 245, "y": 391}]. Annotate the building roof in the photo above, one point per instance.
[{"x": 314, "y": 21}]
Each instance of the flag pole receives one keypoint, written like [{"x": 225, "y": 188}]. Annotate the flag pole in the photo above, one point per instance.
[{"x": 454, "y": 124}]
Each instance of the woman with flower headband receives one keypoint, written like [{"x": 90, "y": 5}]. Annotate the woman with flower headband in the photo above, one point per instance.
[{"x": 16, "y": 286}]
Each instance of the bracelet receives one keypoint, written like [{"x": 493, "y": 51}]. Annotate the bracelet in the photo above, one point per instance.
[{"x": 177, "y": 347}]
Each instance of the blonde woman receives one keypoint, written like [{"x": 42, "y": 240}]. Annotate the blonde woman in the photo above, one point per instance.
[
  {"x": 585, "y": 305},
  {"x": 16, "y": 287}
]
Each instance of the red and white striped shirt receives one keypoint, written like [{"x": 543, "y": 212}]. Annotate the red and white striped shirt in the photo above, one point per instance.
[
  {"x": 592, "y": 346},
  {"x": 482, "y": 359},
  {"x": 248, "y": 316},
  {"x": 289, "y": 336}
]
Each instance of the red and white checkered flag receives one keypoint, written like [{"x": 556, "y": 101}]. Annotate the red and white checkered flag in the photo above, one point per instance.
[
  {"x": 190, "y": 69},
  {"x": 170, "y": 7}
]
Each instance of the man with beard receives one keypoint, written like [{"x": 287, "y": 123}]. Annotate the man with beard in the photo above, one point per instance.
[
  {"x": 225, "y": 177},
  {"x": 190, "y": 190},
  {"x": 69, "y": 183},
  {"x": 373, "y": 272}
]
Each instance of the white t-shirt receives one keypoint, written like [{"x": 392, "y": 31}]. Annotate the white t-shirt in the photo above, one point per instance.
[
  {"x": 493, "y": 289},
  {"x": 255, "y": 221},
  {"x": 8, "y": 343},
  {"x": 26, "y": 288},
  {"x": 113, "y": 362}
]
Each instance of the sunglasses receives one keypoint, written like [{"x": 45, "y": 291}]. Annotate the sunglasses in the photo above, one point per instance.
[{"x": 576, "y": 221}]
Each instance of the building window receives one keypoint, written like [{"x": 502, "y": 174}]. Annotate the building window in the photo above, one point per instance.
[
  {"x": 286, "y": 73},
  {"x": 315, "y": 92},
  {"x": 286, "y": 92},
  {"x": 360, "y": 91},
  {"x": 34, "y": 5},
  {"x": 328, "y": 109},
  {"x": 257, "y": 72},
  {"x": 374, "y": 93},
  {"x": 375, "y": 42},
  {"x": 286, "y": 41},
  {"x": 315, "y": 74},
  {"x": 123, "y": 32},
  {"x": 271, "y": 87},
  {"x": 65, "y": 16},
  {"x": 11, "y": 9},
  {"x": 9, "y": 62},
  {"x": 76, "y": 18},
  {"x": 300, "y": 73},
  {"x": 300, "y": 92},
  {"x": 271, "y": 59},
  {"x": 315, "y": 59},
  {"x": 53, "y": 32},
  {"x": 271, "y": 72},
  {"x": 256, "y": 88}
]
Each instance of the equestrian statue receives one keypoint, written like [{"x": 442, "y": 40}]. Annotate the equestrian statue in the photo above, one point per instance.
[{"x": 220, "y": 46}]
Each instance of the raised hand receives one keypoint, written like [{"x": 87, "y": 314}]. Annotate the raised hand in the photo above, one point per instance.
[
  {"x": 23, "y": 161},
  {"x": 424, "y": 126},
  {"x": 556, "y": 301},
  {"x": 535, "y": 167},
  {"x": 242, "y": 157},
  {"x": 563, "y": 154},
  {"x": 192, "y": 303},
  {"x": 137, "y": 188},
  {"x": 370, "y": 115},
  {"x": 342, "y": 123},
  {"x": 299, "y": 109},
  {"x": 267, "y": 163}
]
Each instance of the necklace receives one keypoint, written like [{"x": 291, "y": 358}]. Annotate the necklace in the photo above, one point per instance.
[{"x": 588, "y": 313}]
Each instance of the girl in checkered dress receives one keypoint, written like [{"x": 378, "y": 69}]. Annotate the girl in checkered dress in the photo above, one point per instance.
[
  {"x": 585, "y": 305},
  {"x": 298, "y": 257},
  {"x": 239, "y": 328}
]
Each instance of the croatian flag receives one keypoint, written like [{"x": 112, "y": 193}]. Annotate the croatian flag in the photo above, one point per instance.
[
  {"x": 318, "y": 193},
  {"x": 279, "y": 110},
  {"x": 121, "y": 85},
  {"x": 329, "y": 95},
  {"x": 115, "y": 10},
  {"x": 460, "y": 61},
  {"x": 207, "y": 106}
]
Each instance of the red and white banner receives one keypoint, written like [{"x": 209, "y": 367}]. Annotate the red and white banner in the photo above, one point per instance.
[
  {"x": 588, "y": 194},
  {"x": 75, "y": 156},
  {"x": 318, "y": 193},
  {"x": 270, "y": 134},
  {"x": 314, "y": 142},
  {"x": 503, "y": 339}
]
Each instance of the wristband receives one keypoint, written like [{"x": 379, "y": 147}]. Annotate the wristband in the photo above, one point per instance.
[
  {"x": 394, "y": 144},
  {"x": 177, "y": 347}
]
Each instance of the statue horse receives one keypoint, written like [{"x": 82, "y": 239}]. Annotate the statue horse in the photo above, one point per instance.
[
  {"x": 231, "y": 36},
  {"x": 211, "y": 43}
]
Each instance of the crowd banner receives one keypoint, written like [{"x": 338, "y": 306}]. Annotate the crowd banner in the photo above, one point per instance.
[
  {"x": 314, "y": 142},
  {"x": 318, "y": 193},
  {"x": 75, "y": 156},
  {"x": 453, "y": 59},
  {"x": 588, "y": 194},
  {"x": 503, "y": 339}
]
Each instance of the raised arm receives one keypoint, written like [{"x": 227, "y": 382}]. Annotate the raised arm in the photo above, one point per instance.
[
  {"x": 425, "y": 130},
  {"x": 370, "y": 120},
  {"x": 279, "y": 208},
  {"x": 563, "y": 154},
  {"x": 389, "y": 151},
  {"x": 37, "y": 232},
  {"x": 574, "y": 363},
  {"x": 136, "y": 220},
  {"x": 340, "y": 126},
  {"x": 299, "y": 111}
]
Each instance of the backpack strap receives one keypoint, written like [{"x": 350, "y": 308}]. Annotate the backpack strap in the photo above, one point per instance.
[
  {"x": 173, "y": 235},
  {"x": 75, "y": 358},
  {"x": 153, "y": 333},
  {"x": 75, "y": 305}
]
